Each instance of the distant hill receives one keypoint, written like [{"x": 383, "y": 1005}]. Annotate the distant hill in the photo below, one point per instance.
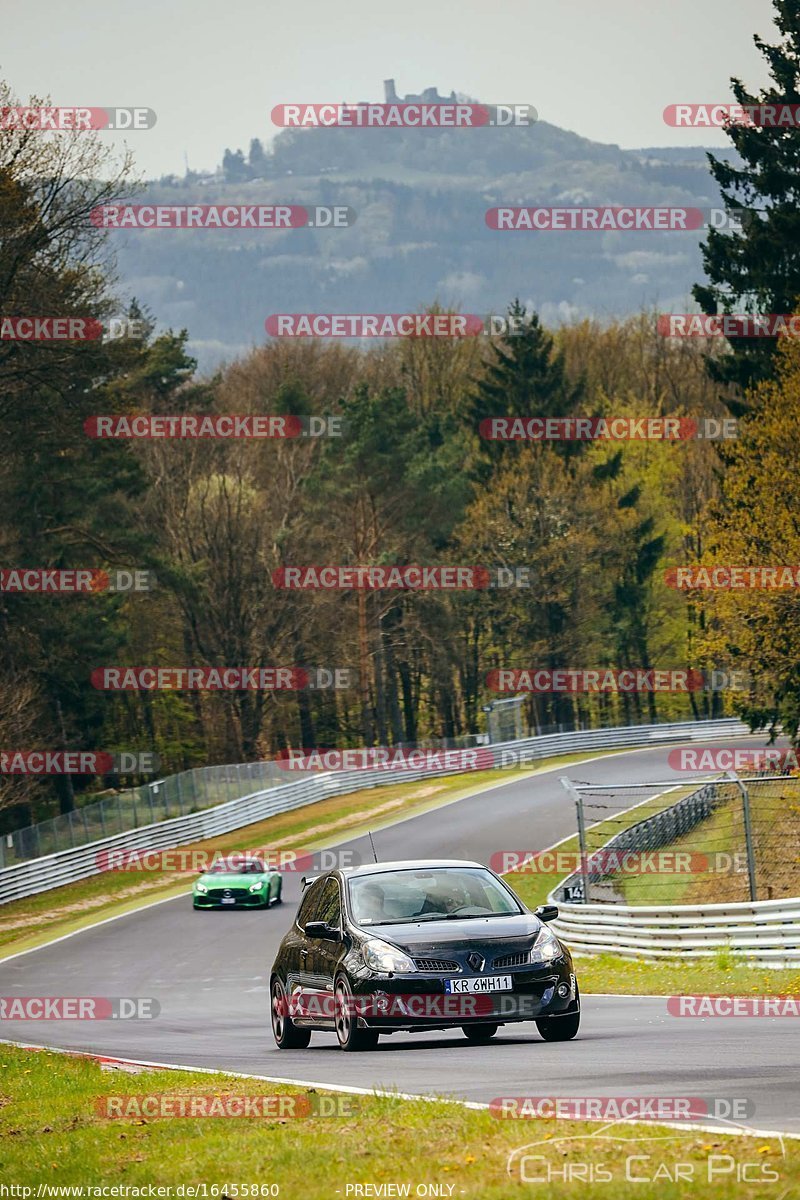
[{"x": 420, "y": 235}]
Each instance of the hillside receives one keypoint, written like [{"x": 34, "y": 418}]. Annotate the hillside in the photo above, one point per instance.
[{"x": 420, "y": 234}]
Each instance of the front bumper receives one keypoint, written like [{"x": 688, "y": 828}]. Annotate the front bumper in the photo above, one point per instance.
[
  {"x": 248, "y": 900},
  {"x": 420, "y": 1002}
]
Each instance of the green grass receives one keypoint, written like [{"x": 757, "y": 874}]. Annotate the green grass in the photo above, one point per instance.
[
  {"x": 716, "y": 976},
  {"x": 617, "y": 975},
  {"x": 534, "y": 885},
  {"x": 775, "y": 819},
  {"x": 51, "y": 1133},
  {"x": 37, "y": 919}
]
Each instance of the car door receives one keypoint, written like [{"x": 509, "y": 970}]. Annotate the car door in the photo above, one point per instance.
[
  {"x": 297, "y": 947},
  {"x": 324, "y": 953}
]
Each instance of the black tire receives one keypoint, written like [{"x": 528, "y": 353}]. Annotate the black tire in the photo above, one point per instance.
[
  {"x": 279, "y": 898},
  {"x": 559, "y": 1029},
  {"x": 286, "y": 1033},
  {"x": 479, "y": 1033},
  {"x": 349, "y": 1035}
]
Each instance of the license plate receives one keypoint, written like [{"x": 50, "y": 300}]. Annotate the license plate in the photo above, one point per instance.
[
  {"x": 228, "y": 899},
  {"x": 481, "y": 983}
]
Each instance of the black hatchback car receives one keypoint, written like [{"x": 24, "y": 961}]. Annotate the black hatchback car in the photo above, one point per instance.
[{"x": 418, "y": 946}]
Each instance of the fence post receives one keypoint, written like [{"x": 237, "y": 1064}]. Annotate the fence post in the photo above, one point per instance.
[
  {"x": 573, "y": 791},
  {"x": 748, "y": 833}
]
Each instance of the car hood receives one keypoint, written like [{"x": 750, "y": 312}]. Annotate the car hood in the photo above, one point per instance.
[
  {"x": 229, "y": 880},
  {"x": 438, "y": 935}
]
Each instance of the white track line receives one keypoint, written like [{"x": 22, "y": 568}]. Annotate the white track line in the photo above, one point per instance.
[{"x": 381, "y": 1092}]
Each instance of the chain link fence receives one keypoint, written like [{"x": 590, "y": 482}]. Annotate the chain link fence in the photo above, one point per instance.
[
  {"x": 733, "y": 839},
  {"x": 176, "y": 796}
]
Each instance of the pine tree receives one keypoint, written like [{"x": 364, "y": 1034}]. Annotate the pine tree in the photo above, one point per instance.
[{"x": 757, "y": 269}]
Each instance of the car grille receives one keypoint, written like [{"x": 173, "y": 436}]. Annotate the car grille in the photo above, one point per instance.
[
  {"x": 436, "y": 964},
  {"x": 520, "y": 959},
  {"x": 236, "y": 893}
]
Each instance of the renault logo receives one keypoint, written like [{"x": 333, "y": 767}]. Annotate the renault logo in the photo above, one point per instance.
[{"x": 475, "y": 960}]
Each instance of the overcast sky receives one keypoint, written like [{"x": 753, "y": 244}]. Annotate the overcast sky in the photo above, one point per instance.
[{"x": 213, "y": 71}]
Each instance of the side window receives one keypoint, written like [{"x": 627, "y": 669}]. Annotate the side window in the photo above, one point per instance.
[
  {"x": 330, "y": 908},
  {"x": 309, "y": 906}
]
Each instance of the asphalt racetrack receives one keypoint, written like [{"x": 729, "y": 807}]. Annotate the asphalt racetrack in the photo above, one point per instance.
[{"x": 209, "y": 973}]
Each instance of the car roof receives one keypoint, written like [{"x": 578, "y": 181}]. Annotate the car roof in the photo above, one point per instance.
[{"x": 410, "y": 864}]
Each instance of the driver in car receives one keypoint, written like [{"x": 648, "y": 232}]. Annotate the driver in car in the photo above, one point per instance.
[
  {"x": 371, "y": 903},
  {"x": 441, "y": 900}
]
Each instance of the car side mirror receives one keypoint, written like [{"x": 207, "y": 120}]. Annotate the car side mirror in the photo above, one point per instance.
[
  {"x": 321, "y": 929},
  {"x": 547, "y": 912}
]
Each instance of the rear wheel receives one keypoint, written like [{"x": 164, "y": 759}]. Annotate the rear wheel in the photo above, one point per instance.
[
  {"x": 479, "y": 1033},
  {"x": 347, "y": 1030},
  {"x": 286, "y": 1033}
]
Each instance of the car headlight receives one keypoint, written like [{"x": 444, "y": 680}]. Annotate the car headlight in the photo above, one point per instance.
[
  {"x": 255, "y": 887},
  {"x": 546, "y": 947},
  {"x": 380, "y": 956},
  {"x": 201, "y": 887}
]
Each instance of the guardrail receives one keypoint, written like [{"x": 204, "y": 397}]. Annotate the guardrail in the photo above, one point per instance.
[
  {"x": 80, "y": 862},
  {"x": 765, "y": 932}
]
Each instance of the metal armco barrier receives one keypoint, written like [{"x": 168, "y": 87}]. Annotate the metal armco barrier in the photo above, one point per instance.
[
  {"x": 80, "y": 862},
  {"x": 765, "y": 932}
]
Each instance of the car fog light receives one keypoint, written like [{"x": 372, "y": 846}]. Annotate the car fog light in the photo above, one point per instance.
[{"x": 563, "y": 990}]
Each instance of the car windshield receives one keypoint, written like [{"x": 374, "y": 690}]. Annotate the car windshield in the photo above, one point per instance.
[
  {"x": 437, "y": 894},
  {"x": 236, "y": 867}
]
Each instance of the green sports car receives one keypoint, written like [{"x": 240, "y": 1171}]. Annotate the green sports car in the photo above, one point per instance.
[{"x": 237, "y": 883}]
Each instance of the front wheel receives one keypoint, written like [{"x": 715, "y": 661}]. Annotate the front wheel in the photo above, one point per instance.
[
  {"x": 479, "y": 1033},
  {"x": 559, "y": 1029},
  {"x": 347, "y": 1030},
  {"x": 286, "y": 1033}
]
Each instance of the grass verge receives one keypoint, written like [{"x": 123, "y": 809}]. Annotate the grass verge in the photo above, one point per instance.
[
  {"x": 52, "y": 1135},
  {"x": 608, "y": 973}
]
